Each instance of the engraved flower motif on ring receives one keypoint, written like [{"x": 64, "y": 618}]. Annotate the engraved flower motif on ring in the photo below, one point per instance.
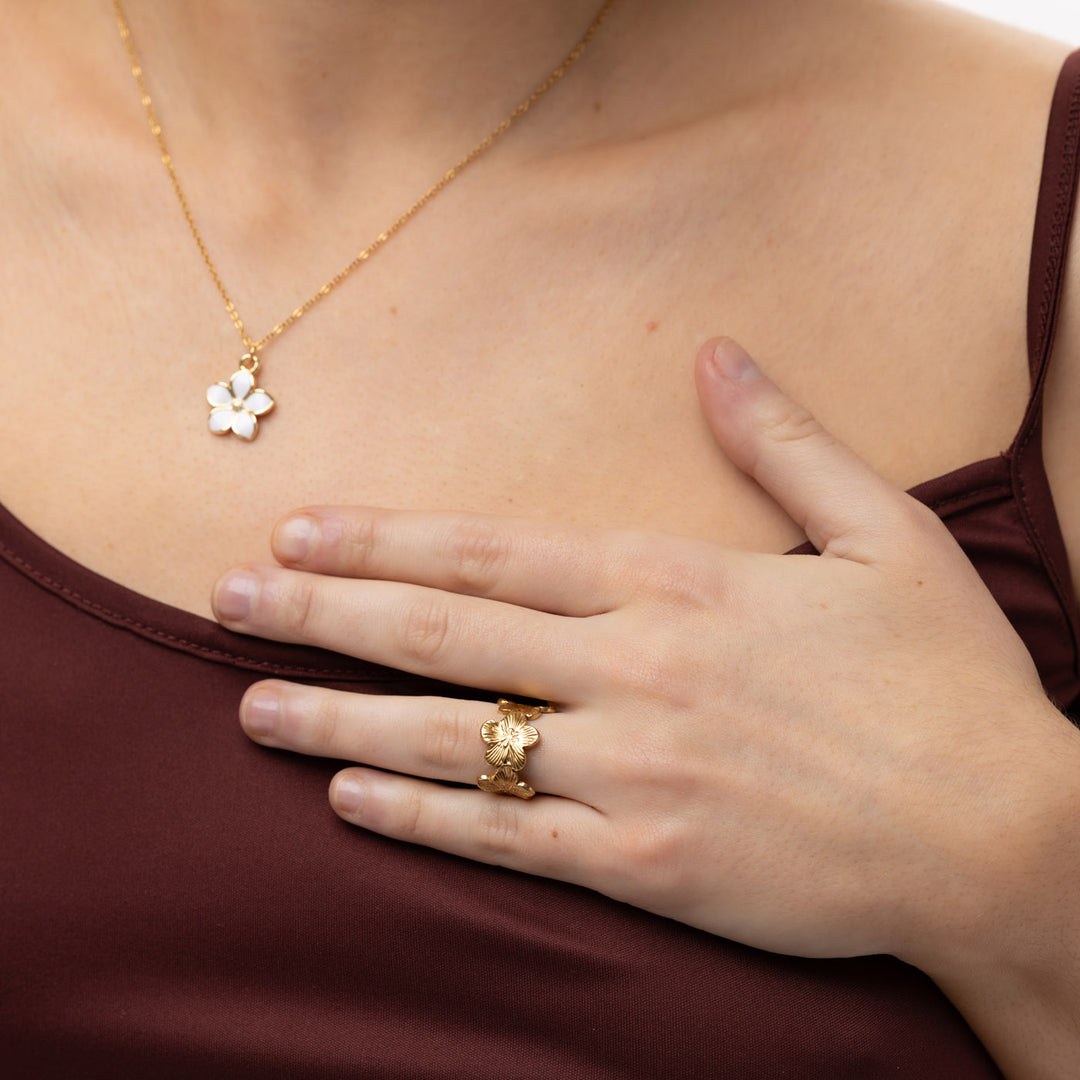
[
  {"x": 507, "y": 739},
  {"x": 236, "y": 405}
]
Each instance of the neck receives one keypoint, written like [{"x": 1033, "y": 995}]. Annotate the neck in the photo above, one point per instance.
[{"x": 325, "y": 72}]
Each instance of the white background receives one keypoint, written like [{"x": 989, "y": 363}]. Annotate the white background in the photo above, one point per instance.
[{"x": 1054, "y": 18}]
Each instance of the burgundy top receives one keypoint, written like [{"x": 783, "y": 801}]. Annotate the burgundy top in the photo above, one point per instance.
[{"x": 176, "y": 901}]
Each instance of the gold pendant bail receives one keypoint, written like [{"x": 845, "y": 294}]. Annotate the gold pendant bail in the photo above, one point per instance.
[{"x": 250, "y": 361}]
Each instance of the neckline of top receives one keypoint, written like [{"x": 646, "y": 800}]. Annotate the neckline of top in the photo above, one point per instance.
[{"x": 114, "y": 603}]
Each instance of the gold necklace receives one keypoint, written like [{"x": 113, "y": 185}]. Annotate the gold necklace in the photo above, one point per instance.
[{"x": 236, "y": 405}]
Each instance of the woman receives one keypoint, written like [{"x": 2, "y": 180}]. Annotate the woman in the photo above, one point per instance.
[{"x": 850, "y": 756}]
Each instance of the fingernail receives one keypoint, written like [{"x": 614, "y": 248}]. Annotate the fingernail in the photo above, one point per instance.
[
  {"x": 348, "y": 795},
  {"x": 261, "y": 713},
  {"x": 235, "y": 595},
  {"x": 296, "y": 537},
  {"x": 733, "y": 362}
]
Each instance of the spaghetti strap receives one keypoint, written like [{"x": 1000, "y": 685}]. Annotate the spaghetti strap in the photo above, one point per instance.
[
  {"x": 1049, "y": 250},
  {"x": 1053, "y": 222}
]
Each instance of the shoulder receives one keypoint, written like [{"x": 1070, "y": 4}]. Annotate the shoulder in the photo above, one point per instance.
[
  {"x": 1003, "y": 82},
  {"x": 875, "y": 160},
  {"x": 992, "y": 88}
]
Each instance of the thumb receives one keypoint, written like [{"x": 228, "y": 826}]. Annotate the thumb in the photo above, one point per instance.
[{"x": 843, "y": 506}]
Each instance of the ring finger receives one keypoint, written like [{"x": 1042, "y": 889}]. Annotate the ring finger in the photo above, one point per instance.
[{"x": 431, "y": 737}]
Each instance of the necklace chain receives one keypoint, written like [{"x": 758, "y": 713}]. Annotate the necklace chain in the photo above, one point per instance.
[{"x": 447, "y": 178}]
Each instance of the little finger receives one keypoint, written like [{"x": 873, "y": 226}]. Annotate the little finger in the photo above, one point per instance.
[{"x": 548, "y": 836}]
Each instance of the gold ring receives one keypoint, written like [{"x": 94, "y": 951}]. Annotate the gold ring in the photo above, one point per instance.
[{"x": 507, "y": 737}]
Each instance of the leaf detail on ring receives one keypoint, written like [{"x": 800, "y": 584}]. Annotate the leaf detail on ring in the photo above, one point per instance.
[
  {"x": 505, "y": 782},
  {"x": 507, "y": 739}
]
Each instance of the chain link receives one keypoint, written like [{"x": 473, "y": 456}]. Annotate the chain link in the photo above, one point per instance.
[{"x": 448, "y": 177}]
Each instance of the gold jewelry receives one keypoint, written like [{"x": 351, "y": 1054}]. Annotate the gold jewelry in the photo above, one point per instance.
[
  {"x": 237, "y": 404},
  {"x": 508, "y": 736}
]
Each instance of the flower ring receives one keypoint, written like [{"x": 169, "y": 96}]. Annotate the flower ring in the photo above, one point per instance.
[{"x": 509, "y": 735}]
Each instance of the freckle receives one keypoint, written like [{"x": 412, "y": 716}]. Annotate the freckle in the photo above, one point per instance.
[
  {"x": 597, "y": 106},
  {"x": 554, "y": 834},
  {"x": 651, "y": 326},
  {"x": 393, "y": 311},
  {"x": 918, "y": 582}
]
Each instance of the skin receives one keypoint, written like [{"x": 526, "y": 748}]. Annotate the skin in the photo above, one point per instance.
[{"x": 839, "y": 199}]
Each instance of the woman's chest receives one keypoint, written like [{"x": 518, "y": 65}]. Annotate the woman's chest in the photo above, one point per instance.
[{"x": 530, "y": 358}]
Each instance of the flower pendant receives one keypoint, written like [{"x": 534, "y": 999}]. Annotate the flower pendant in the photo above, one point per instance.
[{"x": 237, "y": 404}]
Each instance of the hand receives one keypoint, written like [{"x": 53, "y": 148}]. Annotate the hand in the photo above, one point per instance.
[{"x": 822, "y": 756}]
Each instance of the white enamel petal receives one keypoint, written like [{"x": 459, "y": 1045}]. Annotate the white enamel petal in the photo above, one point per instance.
[
  {"x": 221, "y": 420},
  {"x": 219, "y": 394},
  {"x": 241, "y": 383},
  {"x": 258, "y": 402},
  {"x": 244, "y": 424}
]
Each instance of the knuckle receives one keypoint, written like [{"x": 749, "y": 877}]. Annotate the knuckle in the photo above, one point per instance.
[
  {"x": 442, "y": 745},
  {"x": 667, "y": 574},
  {"x": 409, "y": 812},
  {"x": 425, "y": 632},
  {"x": 652, "y": 666},
  {"x": 913, "y": 532},
  {"x": 653, "y": 856},
  {"x": 498, "y": 833},
  {"x": 676, "y": 583},
  {"x": 649, "y": 676},
  {"x": 645, "y": 763},
  {"x": 300, "y": 609},
  {"x": 786, "y": 421},
  {"x": 311, "y": 722},
  {"x": 920, "y": 519},
  {"x": 476, "y": 553},
  {"x": 324, "y": 723},
  {"x": 359, "y": 542}
]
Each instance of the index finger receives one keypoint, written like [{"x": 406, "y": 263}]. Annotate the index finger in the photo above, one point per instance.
[{"x": 845, "y": 508}]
